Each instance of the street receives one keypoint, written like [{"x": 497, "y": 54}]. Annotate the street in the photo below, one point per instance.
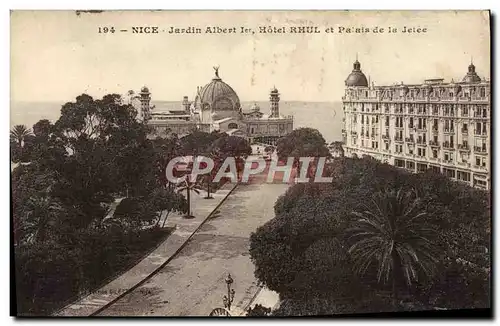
[{"x": 192, "y": 284}]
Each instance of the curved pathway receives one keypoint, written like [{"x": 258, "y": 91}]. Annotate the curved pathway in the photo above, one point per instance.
[{"x": 192, "y": 284}]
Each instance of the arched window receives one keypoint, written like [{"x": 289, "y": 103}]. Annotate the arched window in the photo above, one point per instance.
[{"x": 232, "y": 125}]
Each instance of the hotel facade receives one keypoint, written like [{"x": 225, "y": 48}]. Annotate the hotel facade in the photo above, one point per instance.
[{"x": 438, "y": 125}]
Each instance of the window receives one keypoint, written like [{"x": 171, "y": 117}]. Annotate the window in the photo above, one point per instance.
[
  {"x": 482, "y": 92},
  {"x": 435, "y": 153},
  {"x": 232, "y": 125},
  {"x": 480, "y": 161},
  {"x": 386, "y": 146}
]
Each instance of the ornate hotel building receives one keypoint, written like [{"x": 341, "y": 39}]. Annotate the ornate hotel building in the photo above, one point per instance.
[{"x": 435, "y": 125}]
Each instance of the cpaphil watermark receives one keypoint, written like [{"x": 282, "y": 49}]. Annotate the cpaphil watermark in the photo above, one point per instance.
[{"x": 301, "y": 170}]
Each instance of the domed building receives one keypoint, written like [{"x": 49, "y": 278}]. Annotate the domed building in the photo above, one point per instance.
[
  {"x": 356, "y": 78},
  {"x": 217, "y": 107},
  {"x": 471, "y": 76},
  {"x": 437, "y": 125},
  {"x": 217, "y": 99}
]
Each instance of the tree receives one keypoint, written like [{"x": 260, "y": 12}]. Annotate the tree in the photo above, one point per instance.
[
  {"x": 19, "y": 133},
  {"x": 231, "y": 146},
  {"x": 165, "y": 150},
  {"x": 198, "y": 142},
  {"x": 394, "y": 233},
  {"x": 303, "y": 252},
  {"x": 162, "y": 199},
  {"x": 41, "y": 217},
  {"x": 189, "y": 186},
  {"x": 337, "y": 148},
  {"x": 302, "y": 142}
]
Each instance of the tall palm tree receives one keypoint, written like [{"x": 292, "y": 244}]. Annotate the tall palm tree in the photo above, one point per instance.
[
  {"x": 188, "y": 186},
  {"x": 393, "y": 233},
  {"x": 19, "y": 133}
]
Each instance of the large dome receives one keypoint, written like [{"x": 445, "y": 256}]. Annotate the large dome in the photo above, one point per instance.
[
  {"x": 217, "y": 96},
  {"x": 356, "y": 77},
  {"x": 471, "y": 76}
]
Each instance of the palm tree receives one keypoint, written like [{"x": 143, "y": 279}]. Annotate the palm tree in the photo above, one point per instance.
[
  {"x": 394, "y": 234},
  {"x": 188, "y": 186},
  {"x": 19, "y": 133},
  {"x": 41, "y": 215}
]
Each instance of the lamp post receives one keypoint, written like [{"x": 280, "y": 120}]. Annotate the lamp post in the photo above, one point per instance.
[{"x": 228, "y": 299}]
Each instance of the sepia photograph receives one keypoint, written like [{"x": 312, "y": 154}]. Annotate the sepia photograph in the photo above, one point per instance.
[{"x": 250, "y": 163}]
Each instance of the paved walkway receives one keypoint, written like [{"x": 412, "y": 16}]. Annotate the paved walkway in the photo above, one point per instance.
[
  {"x": 266, "y": 298},
  {"x": 192, "y": 284},
  {"x": 201, "y": 208}
]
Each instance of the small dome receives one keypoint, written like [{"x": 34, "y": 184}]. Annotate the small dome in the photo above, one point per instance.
[
  {"x": 144, "y": 89},
  {"x": 471, "y": 76},
  {"x": 274, "y": 91},
  {"x": 218, "y": 96},
  {"x": 405, "y": 89},
  {"x": 255, "y": 108},
  {"x": 356, "y": 77}
]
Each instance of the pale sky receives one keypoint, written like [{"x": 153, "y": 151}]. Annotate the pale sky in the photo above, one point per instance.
[{"x": 57, "y": 55}]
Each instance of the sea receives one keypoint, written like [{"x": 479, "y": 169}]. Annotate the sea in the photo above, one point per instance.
[{"x": 324, "y": 116}]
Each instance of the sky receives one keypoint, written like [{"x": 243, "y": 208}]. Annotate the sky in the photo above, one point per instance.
[{"x": 57, "y": 55}]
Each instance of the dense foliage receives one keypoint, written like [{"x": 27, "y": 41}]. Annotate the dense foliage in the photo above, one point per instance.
[
  {"x": 69, "y": 175},
  {"x": 302, "y": 142},
  {"x": 329, "y": 247}
]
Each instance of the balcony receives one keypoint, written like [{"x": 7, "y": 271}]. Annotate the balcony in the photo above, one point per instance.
[
  {"x": 448, "y": 145},
  {"x": 480, "y": 167},
  {"x": 386, "y": 137},
  {"x": 354, "y": 133},
  {"x": 479, "y": 133},
  {"x": 435, "y": 129},
  {"x": 465, "y": 132},
  {"x": 480, "y": 150},
  {"x": 464, "y": 163},
  {"x": 421, "y": 142},
  {"x": 434, "y": 143},
  {"x": 463, "y": 147},
  {"x": 409, "y": 140},
  {"x": 421, "y": 128},
  {"x": 398, "y": 139},
  {"x": 449, "y": 131}
]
